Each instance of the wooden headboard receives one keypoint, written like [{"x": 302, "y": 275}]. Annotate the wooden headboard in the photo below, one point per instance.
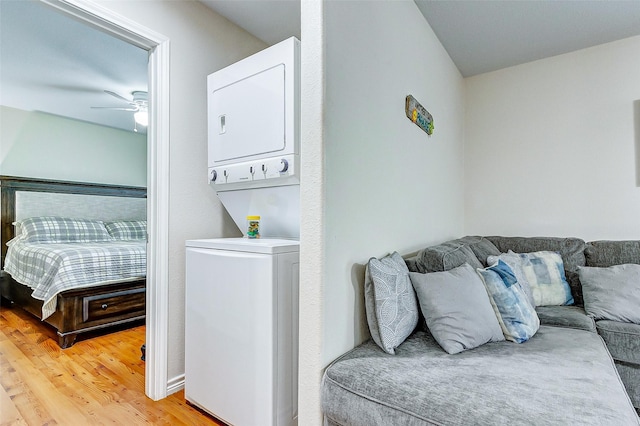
[{"x": 10, "y": 185}]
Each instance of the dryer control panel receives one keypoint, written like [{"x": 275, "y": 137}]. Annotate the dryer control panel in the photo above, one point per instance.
[{"x": 273, "y": 171}]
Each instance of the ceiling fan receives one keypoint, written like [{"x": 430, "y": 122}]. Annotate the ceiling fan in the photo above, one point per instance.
[{"x": 139, "y": 105}]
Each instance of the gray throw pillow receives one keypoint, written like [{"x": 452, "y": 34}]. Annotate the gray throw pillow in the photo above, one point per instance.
[
  {"x": 612, "y": 293},
  {"x": 456, "y": 308},
  {"x": 390, "y": 302}
]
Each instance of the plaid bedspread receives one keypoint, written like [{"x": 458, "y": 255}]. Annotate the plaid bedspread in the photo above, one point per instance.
[{"x": 50, "y": 268}]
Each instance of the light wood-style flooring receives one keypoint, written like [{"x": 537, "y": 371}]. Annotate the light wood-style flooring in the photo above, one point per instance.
[{"x": 97, "y": 381}]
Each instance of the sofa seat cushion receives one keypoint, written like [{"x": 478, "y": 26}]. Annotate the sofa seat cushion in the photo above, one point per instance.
[
  {"x": 623, "y": 340},
  {"x": 498, "y": 383},
  {"x": 566, "y": 316}
]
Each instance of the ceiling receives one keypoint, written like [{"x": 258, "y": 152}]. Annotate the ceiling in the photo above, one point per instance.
[
  {"x": 269, "y": 20},
  {"x": 479, "y": 35},
  {"x": 53, "y": 64},
  {"x": 482, "y": 36}
]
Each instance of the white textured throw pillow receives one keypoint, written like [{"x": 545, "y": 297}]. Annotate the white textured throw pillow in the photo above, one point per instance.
[
  {"x": 544, "y": 272},
  {"x": 390, "y": 302},
  {"x": 612, "y": 293}
]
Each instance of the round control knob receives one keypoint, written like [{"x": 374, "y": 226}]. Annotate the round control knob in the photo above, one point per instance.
[
  {"x": 284, "y": 165},
  {"x": 214, "y": 175}
]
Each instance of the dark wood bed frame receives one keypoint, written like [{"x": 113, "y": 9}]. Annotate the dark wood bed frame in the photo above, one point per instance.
[{"x": 82, "y": 310}]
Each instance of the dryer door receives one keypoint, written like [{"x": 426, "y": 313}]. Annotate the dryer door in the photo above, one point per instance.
[{"x": 247, "y": 117}]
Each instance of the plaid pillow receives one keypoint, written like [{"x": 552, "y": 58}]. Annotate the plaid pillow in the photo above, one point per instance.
[
  {"x": 49, "y": 229},
  {"x": 128, "y": 229}
]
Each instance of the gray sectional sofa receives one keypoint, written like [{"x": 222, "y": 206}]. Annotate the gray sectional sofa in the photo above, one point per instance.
[{"x": 574, "y": 370}]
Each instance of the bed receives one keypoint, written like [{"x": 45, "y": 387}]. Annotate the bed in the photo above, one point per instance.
[{"x": 74, "y": 254}]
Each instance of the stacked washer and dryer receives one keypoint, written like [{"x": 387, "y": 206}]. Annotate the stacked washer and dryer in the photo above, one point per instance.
[{"x": 241, "y": 336}]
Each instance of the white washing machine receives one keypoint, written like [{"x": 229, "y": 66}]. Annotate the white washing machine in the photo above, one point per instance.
[
  {"x": 241, "y": 325},
  {"x": 241, "y": 352}
]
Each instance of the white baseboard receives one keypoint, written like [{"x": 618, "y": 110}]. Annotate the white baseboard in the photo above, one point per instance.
[{"x": 175, "y": 384}]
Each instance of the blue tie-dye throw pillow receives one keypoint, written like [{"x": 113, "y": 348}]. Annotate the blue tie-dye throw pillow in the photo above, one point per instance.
[
  {"x": 517, "y": 317},
  {"x": 514, "y": 261}
]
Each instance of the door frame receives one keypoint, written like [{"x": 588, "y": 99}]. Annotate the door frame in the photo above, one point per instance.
[{"x": 157, "y": 295}]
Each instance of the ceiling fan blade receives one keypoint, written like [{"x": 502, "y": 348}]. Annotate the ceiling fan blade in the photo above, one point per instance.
[
  {"x": 118, "y": 96},
  {"x": 116, "y": 108}
]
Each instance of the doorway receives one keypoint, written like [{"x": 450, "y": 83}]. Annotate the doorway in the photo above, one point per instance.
[{"x": 157, "y": 46}]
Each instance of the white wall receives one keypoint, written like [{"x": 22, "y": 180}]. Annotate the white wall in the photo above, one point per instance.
[
  {"x": 312, "y": 70},
  {"x": 389, "y": 186},
  {"x": 386, "y": 184},
  {"x": 550, "y": 147},
  {"x": 201, "y": 42},
  {"x": 35, "y": 144}
]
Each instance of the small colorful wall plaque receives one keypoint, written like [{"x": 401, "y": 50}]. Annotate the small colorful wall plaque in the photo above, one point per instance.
[{"x": 418, "y": 114}]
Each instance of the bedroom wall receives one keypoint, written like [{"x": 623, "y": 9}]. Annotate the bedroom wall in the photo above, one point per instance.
[
  {"x": 36, "y": 144},
  {"x": 552, "y": 147},
  {"x": 386, "y": 185},
  {"x": 201, "y": 42}
]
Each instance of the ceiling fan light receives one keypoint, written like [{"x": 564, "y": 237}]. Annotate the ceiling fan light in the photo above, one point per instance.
[{"x": 141, "y": 117}]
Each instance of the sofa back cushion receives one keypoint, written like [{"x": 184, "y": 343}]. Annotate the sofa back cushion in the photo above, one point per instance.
[
  {"x": 445, "y": 257},
  {"x": 451, "y": 254},
  {"x": 602, "y": 254},
  {"x": 481, "y": 247},
  {"x": 570, "y": 249}
]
